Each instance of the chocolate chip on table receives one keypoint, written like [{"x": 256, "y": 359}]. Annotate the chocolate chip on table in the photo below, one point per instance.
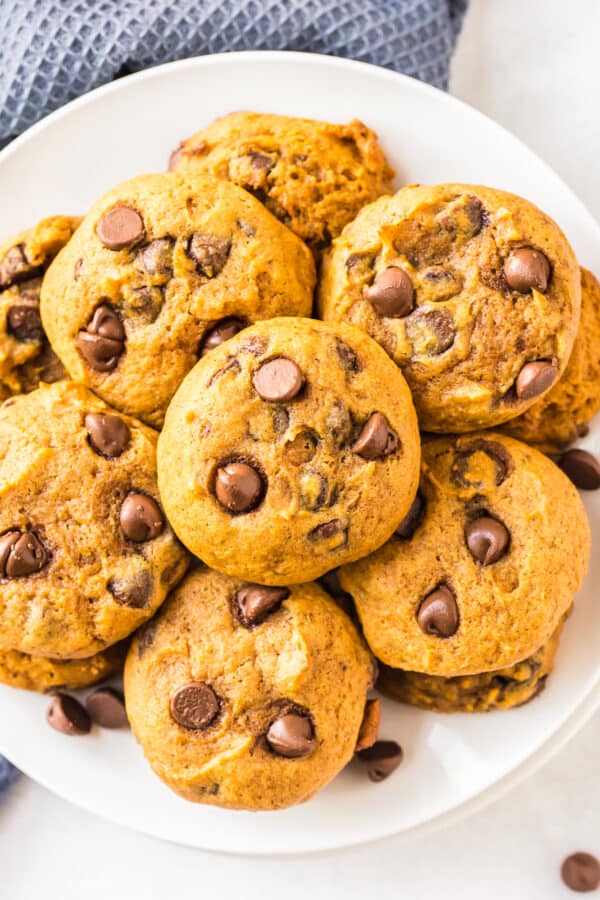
[
  {"x": 292, "y": 736},
  {"x": 535, "y": 378},
  {"x": 254, "y": 602},
  {"x": 134, "y": 592},
  {"x": 381, "y": 759},
  {"x": 581, "y": 872},
  {"x": 106, "y": 707},
  {"x": 156, "y": 258},
  {"x": 120, "y": 227},
  {"x": 412, "y": 519},
  {"x": 438, "y": 613},
  {"x": 278, "y": 380},
  {"x": 582, "y": 468},
  {"x": 141, "y": 518},
  {"x": 108, "y": 435},
  {"x": 525, "y": 269},
  {"x": 210, "y": 253},
  {"x": 221, "y": 332},
  {"x": 377, "y": 438},
  {"x": 67, "y": 715},
  {"x": 392, "y": 293},
  {"x": 103, "y": 341},
  {"x": 369, "y": 728},
  {"x": 238, "y": 487},
  {"x": 23, "y": 322},
  {"x": 194, "y": 706},
  {"x": 487, "y": 539},
  {"x": 21, "y": 553}
]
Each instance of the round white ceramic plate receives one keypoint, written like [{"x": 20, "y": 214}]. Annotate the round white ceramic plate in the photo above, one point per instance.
[{"x": 452, "y": 763}]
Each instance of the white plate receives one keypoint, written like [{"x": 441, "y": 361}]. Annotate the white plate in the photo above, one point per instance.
[{"x": 452, "y": 763}]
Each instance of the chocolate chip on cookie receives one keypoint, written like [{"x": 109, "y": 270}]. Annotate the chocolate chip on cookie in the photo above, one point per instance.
[
  {"x": 292, "y": 736},
  {"x": 209, "y": 252},
  {"x": 278, "y": 380},
  {"x": 23, "y": 322},
  {"x": 108, "y": 435},
  {"x": 412, "y": 519},
  {"x": 194, "y": 706},
  {"x": 120, "y": 227},
  {"x": 392, "y": 293},
  {"x": 487, "y": 539},
  {"x": 21, "y": 554},
  {"x": 239, "y": 487},
  {"x": 103, "y": 341},
  {"x": 254, "y": 602},
  {"x": 377, "y": 439},
  {"x": 438, "y": 613},
  {"x": 381, "y": 759},
  {"x": 222, "y": 331},
  {"x": 525, "y": 269},
  {"x": 141, "y": 518},
  {"x": 156, "y": 258},
  {"x": 535, "y": 378},
  {"x": 135, "y": 591}
]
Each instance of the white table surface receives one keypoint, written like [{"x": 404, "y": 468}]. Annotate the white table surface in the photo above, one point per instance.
[{"x": 534, "y": 66}]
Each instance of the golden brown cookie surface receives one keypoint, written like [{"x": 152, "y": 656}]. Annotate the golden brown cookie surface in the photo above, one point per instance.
[
  {"x": 288, "y": 450},
  {"x": 39, "y": 673},
  {"x": 247, "y": 697},
  {"x": 162, "y": 269},
  {"x": 86, "y": 554},
  {"x": 472, "y": 291},
  {"x": 485, "y": 569},
  {"x": 313, "y": 176}
]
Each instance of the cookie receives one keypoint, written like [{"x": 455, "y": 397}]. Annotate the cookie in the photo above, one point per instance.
[
  {"x": 247, "y": 697},
  {"x": 473, "y": 292},
  {"x": 39, "y": 673},
  {"x": 289, "y": 450},
  {"x": 313, "y": 176},
  {"x": 501, "y": 689},
  {"x": 561, "y": 416},
  {"x": 163, "y": 269},
  {"x": 25, "y": 354},
  {"x": 485, "y": 566},
  {"x": 86, "y": 554}
]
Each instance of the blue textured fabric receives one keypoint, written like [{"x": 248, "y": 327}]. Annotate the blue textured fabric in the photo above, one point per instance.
[{"x": 8, "y": 776}]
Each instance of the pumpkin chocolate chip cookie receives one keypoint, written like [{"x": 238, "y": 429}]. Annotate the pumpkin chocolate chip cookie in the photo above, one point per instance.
[
  {"x": 39, "y": 673},
  {"x": 482, "y": 571},
  {"x": 25, "y": 355},
  {"x": 86, "y": 554},
  {"x": 289, "y": 450},
  {"x": 313, "y": 176},
  {"x": 473, "y": 292},
  {"x": 561, "y": 416},
  {"x": 246, "y": 696},
  {"x": 162, "y": 269}
]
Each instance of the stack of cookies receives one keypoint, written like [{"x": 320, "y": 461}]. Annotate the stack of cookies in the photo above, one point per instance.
[{"x": 265, "y": 370}]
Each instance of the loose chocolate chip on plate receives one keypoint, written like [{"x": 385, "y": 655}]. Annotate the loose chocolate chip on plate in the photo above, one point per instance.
[
  {"x": 120, "y": 227},
  {"x": 581, "y": 872},
  {"x": 106, "y": 707},
  {"x": 525, "y": 269},
  {"x": 67, "y": 715},
  {"x": 377, "y": 438},
  {"x": 21, "y": 554},
  {"x": 23, "y": 322},
  {"x": 392, "y": 293},
  {"x": 438, "y": 613},
  {"x": 222, "y": 331},
  {"x": 239, "y": 487},
  {"x": 292, "y": 736},
  {"x": 369, "y": 728},
  {"x": 108, "y": 435},
  {"x": 254, "y": 602},
  {"x": 141, "y": 518},
  {"x": 381, "y": 759},
  {"x": 278, "y": 380},
  {"x": 582, "y": 468},
  {"x": 487, "y": 539},
  {"x": 412, "y": 519},
  {"x": 210, "y": 253},
  {"x": 194, "y": 706},
  {"x": 535, "y": 378},
  {"x": 103, "y": 341}
]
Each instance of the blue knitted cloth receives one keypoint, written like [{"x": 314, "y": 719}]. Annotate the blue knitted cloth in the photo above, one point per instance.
[{"x": 55, "y": 50}]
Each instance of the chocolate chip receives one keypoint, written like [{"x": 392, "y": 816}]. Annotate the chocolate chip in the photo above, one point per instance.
[
  {"x": 146, "y": 636},
  {"x": 392, "y": 293},
  {"x": 348, "y": 358},
  {"x": 210, "y": 253},
  {"x": 377, "y": 438},
  {"x": 328, "y": 530},
  {"x": 239, "y": 487},
  {"x": 535, "y": 378},
  {"x": 106, "y": 707},
  {"x": 222, "y": 331},
  {"x": 194, "y": 706},
  {"x": 438, "y": 613},
  {"x": 23, "y": 322},
  {"x": 441, "y": 283},
  {"x": 133, "y": 592},
  {"x": 381, "y": 759},
  {"x": 412, "y": 519},
  {"x": 369, "y": 728},
  {"x": 497, "y": 453},
  {"x": 581, "y": 872},
  {"x": 15, "y": 266},
  {"x": 278, "y": 380},
  {"x": 582, "y": 468},
  {"x": 67, "y": 715},
  {"x": 103, "y": 341},
  {"x": 359, "y": 265},
  {"x": 431, "y": 331},
  {"x": 21, "y": 554},
  {"x": 141, "y": 518},
  {"x": 487, "y": 539},
  {"x": 292, "y": 736},
  {"x": 108, "y": 435},
  {"x": 525, "y": 269},
  {"x": 262, "y": 162},
  {"x": 120, "y": 227},
  {"x": 156, "y": 258},
  {"x": 254, "y": 602}
]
